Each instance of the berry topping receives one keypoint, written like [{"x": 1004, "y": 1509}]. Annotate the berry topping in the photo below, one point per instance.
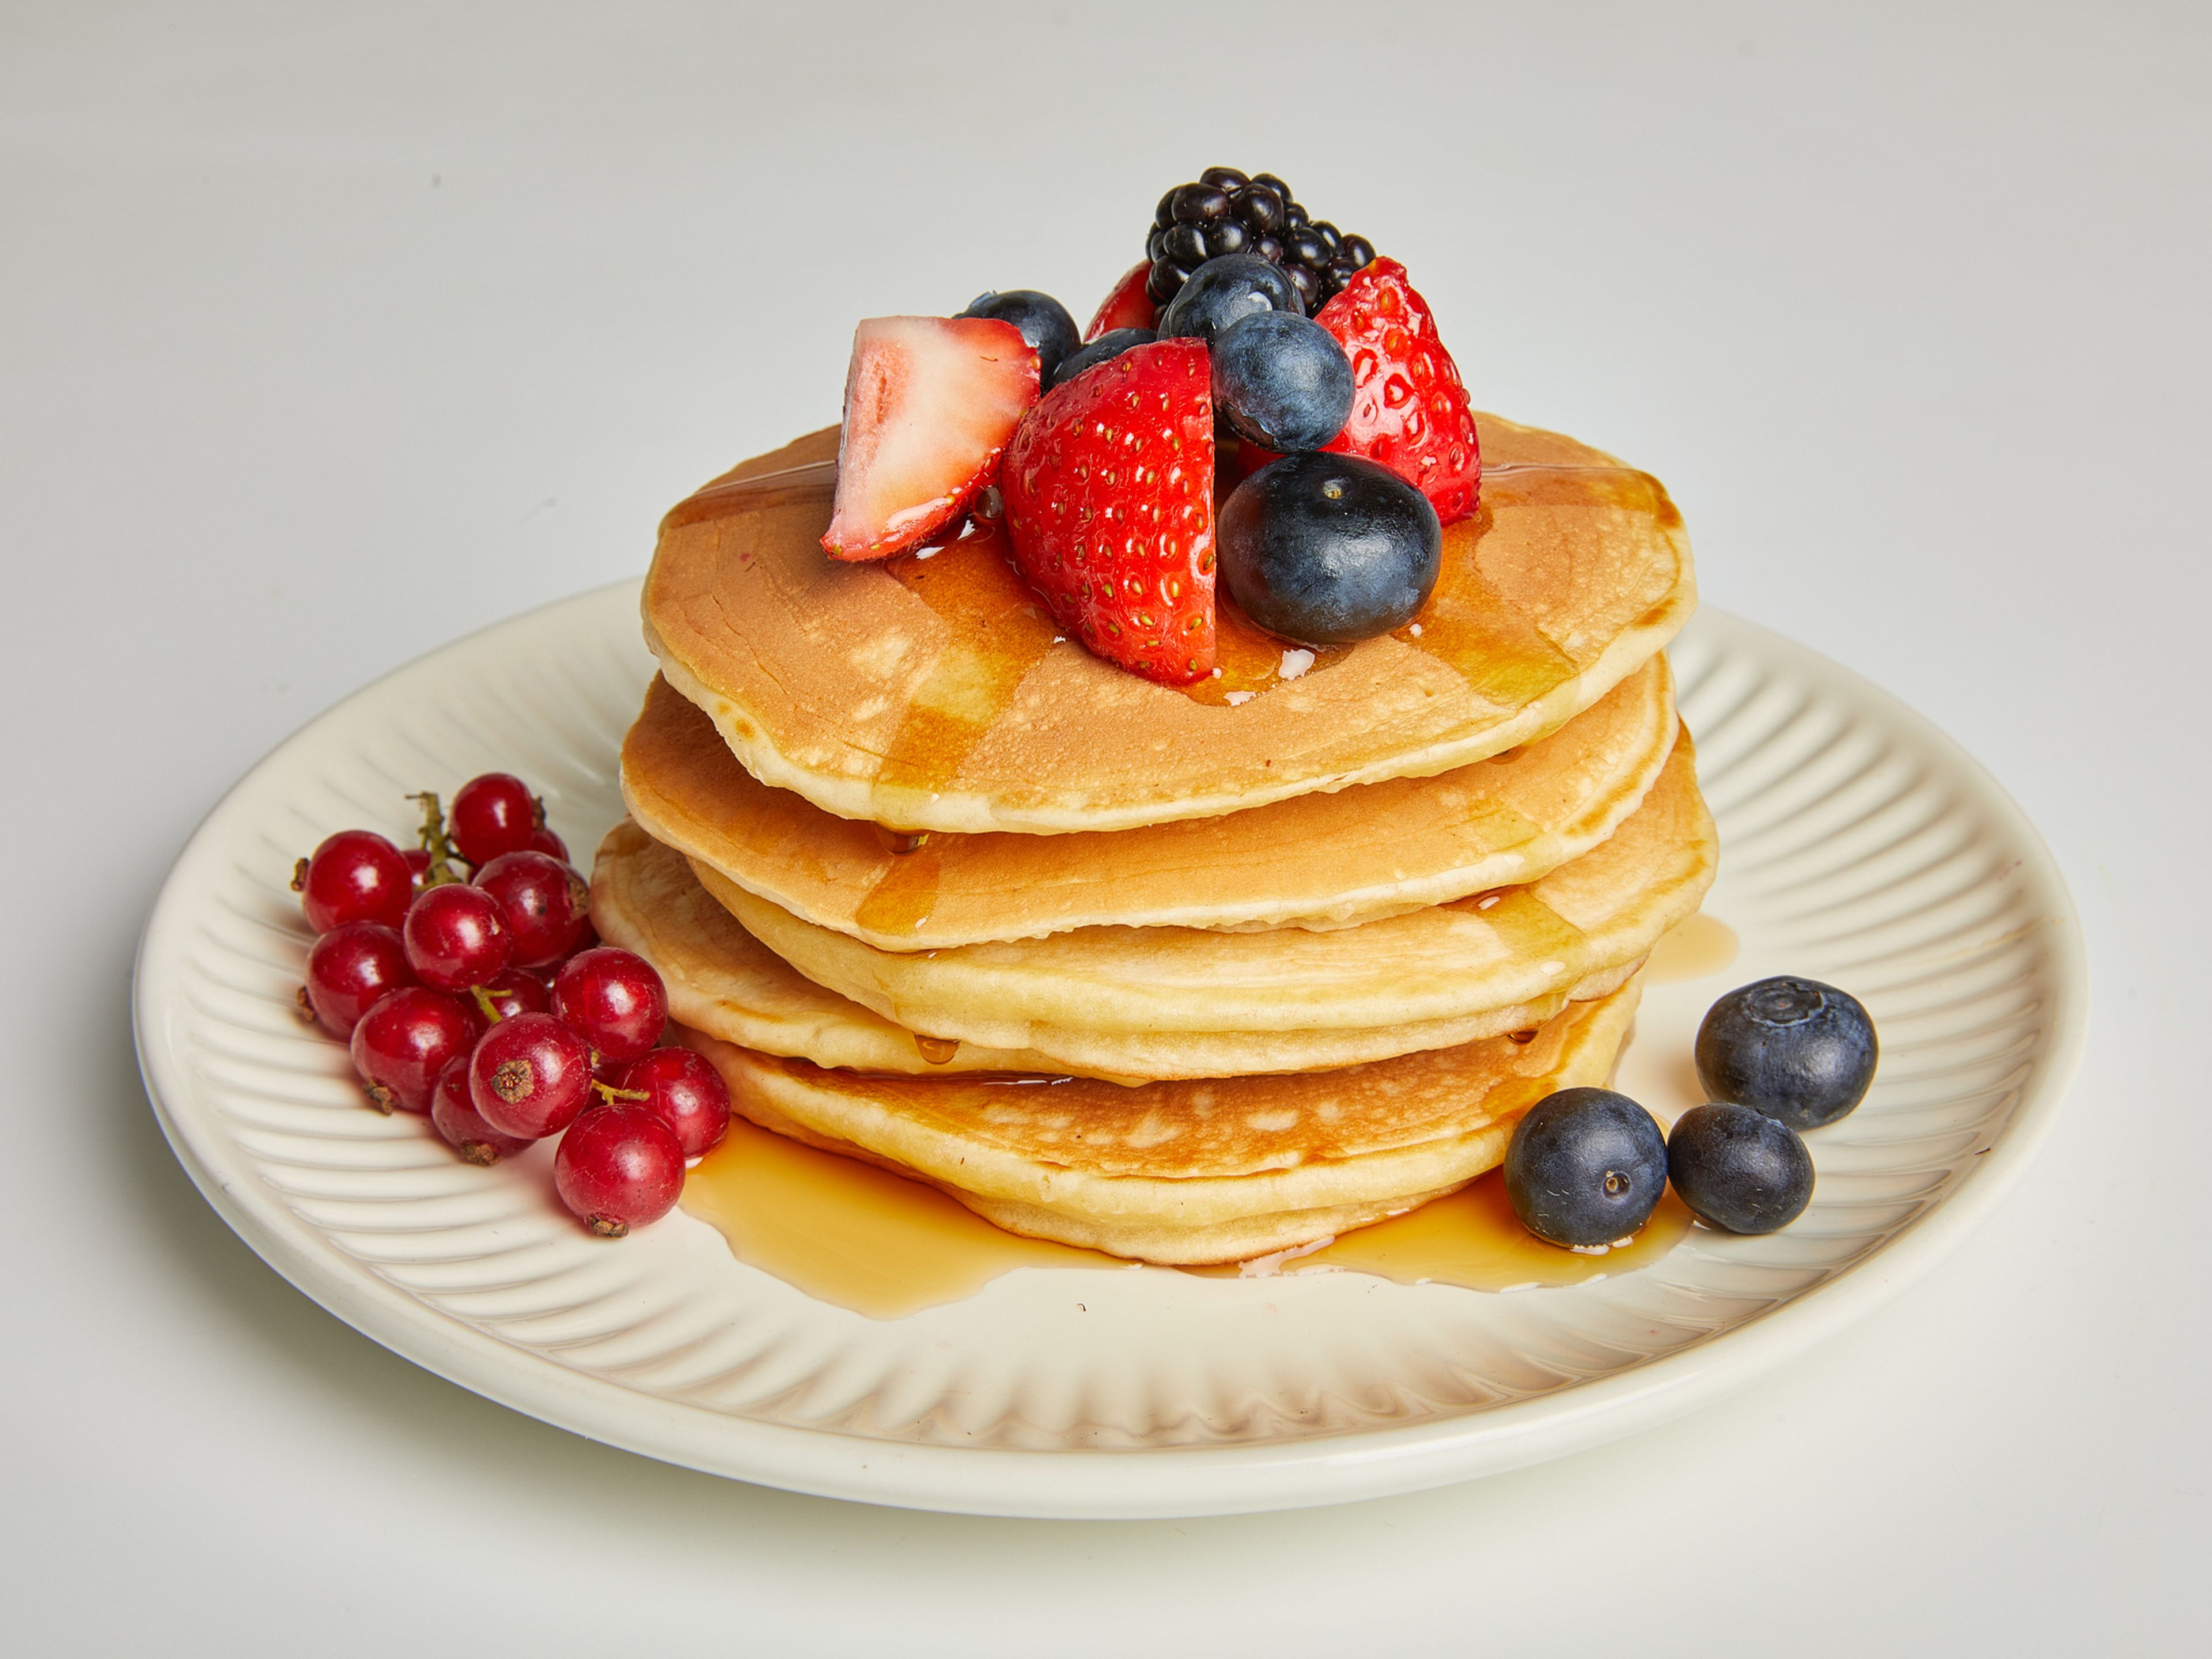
[
  {"x": 1109, "y": 507},
  {"x": 456, "y": 937},
  {"x": 1043, "y": 321},
  {"x": 1225, "y": 291},
  {"x": 1228, "y": 212},
  {"x": 1738, "y": 1168},
  {"x": 1801, "y": 1052},
  {"x": 687, "y": 1092},
  {"x": 1409, "y": 411},
  {"x": 493, "y": 814},
  {"x": 547, "y": 905},
  {"x": 930, "y": 404},
  {"x": 1128, "y": 307},
  {"x": 349, "y": 969},
  {"x": 1107, "y": 347},
  {"x": 1585, "y": 1167},
  {"x": 405, "y": 1039},
  {"x": 510, "y": 992},
  {"x": 614, "y": 1000},
  {"x": 1281, "y": 382},
  {"x": 1327, "y": 550},
  {"x": 619, "y": 1167},
  {"x": 530, "y": 1075},
  {"x": 456, "y": 1118},
  {"x": 353, "y": 876}
]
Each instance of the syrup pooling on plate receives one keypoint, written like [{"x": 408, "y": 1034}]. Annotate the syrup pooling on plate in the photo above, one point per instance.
[
  {"x": 857, "y": 1236},
  {"x": 1693, "y": 948}
]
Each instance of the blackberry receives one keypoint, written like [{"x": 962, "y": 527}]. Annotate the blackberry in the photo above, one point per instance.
[{"x": 1229, "y": 212}]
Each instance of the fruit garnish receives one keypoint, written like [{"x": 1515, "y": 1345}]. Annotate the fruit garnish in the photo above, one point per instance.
[
  {"x": 1109, "y": 490},
  {"x": 355, "y": 875},
  {"x": 458, "y": 1122},
  {"x": 1585, "y": 1167},
  {"x": 530, "y": 1075},
  {"x": 1329, "y": 550},
  {"x": 1226, "y": 212},
  {"x": 1042, "y": 320},
  {"x": 350, "y": 968},
  {"x": 405, "y": 1039},
  {"x": 491, "y": 814},
  {"x": 930, "y": 405},
  {"x": 1738, "y": 1168},
  {"x": 1128, "y": 307},
  {"x": 614, "y": 1000},
  {"x": 1107, "y": 347},
  {"x": 1281, "y": 381},
  {"x": 1409, "y": 409},
  {"x": 619, "y": 1167},
  {"x": 547, "y": 905},
  {"x": 456, "y": 936},
  {"x": 1801, "y": 1052},
  {"x": 685, "y": 1090},
  {"x": 1225, "y": 291}
]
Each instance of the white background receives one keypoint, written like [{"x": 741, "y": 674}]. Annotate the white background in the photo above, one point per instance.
[{"x": 328, "y": 333}]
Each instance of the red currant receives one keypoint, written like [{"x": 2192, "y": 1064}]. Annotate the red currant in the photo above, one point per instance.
[
  {"x": 547, "y": 906},
  {"x": 405, "y": 1039},
  {"x": 418, "y": 866},
  {"x": 492, "y": 814},
  {"x": 615, "y": 999},
  {"x": 349, "y": 969},
  {"x": 618, "y": 1167},
  {"x": 683, "y": 1090},
  {"x": 543, "y": 840},
  {"x": 530, "y": 1075},
  {"x": 515, "y": 991},
  {"x": 456, "y": 937},
  {"x": 353, "y": 876},
  {"x": 457, "y": 1119}
]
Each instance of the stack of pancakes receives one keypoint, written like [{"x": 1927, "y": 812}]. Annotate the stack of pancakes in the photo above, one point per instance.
[{"x": 1188, "y": 976}]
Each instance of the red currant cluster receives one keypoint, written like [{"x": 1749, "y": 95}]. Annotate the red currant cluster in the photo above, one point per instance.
[{"x": 487, "y": 1001}]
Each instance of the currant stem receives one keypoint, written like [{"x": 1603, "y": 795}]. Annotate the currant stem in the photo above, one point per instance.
[
  {"x": 436, "y": 843},
  {"x": 609, "y": 1093}
]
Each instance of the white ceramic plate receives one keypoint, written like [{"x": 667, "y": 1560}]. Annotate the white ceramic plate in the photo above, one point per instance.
[{"x": 1860, "y": 845}]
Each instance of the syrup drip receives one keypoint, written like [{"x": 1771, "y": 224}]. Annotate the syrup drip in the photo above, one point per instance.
[
  {"x": 814, "y": 484},
  {"x": 999, "y": 632},
  {"x": 1693, "y": 948}
]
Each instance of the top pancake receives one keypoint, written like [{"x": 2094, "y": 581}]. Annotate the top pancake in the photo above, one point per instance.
[{"x": 932, "y": 693}]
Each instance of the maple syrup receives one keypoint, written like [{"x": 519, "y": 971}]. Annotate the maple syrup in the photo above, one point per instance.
[
  {"x": 860, "y": 1237},
  {"x": 849, "y": 1233},
  {"x": 1694, "y": 947}
]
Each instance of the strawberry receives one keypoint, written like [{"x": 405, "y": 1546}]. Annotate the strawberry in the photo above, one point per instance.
[
  {"x": 929, "y": 404},
  {"x": 1409, "y": 411},
  {"x": 1109, "y": 505},
  {"x": 1128, "y": 307}
]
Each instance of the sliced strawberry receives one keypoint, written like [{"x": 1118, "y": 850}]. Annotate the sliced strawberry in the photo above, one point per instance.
[
  {"x": 1409, "y": 411},
  {"x": 930, "y": 405},
  {"x": 1128, "y": 307},
  {"x": 1109, "y": 505}
]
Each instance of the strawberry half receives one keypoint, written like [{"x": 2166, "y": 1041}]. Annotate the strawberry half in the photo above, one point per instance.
[
  {"x": 930, "y": 405},
  {"x": 1110, "y": 505},
  {"x": 1409, "y": 410},
  {"x": 1128, "y": 307}
]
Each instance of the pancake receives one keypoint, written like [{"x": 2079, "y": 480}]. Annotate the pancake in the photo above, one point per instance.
[
  {"x": 1210, "y": 1171},
  {"x": 1316, "y": 860},
  {"x": 933, "y": 694},
  {"x": 1167, "y": 1002},
  {"x": 727, "y": 983}
]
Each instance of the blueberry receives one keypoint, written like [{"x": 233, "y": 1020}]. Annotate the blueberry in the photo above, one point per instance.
[
  {"x": 1801, "y": 1052},
  {"x": 1112, "y": 343},
  {"x": 1738, "y": 1168},
  {"x": 1280, "y": 381},
  {"x": 1223, "y": 291},
  {"x": 1326, "y": 549},
  {"x": 1043, "y": 321},
  {"x": 1585, "y": 1166}
]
